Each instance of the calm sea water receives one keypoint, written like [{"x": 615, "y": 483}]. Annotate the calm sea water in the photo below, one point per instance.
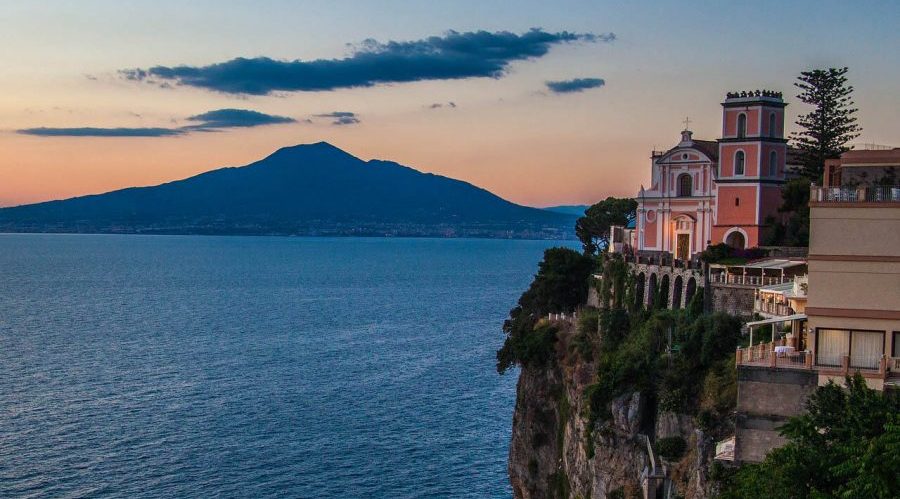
[{"x": 156, "y": 366}]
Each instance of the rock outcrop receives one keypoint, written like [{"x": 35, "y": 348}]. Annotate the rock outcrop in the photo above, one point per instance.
[{"x": 553, "y": 454}]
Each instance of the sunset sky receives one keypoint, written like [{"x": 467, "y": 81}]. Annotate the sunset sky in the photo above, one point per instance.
[{"x": 99, "y": 95}]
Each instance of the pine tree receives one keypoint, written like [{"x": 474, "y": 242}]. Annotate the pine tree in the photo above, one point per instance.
[{"x": 826, "y": 131}]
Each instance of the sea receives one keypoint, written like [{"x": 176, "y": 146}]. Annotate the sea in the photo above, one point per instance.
[{"x": 206, "y": 366}]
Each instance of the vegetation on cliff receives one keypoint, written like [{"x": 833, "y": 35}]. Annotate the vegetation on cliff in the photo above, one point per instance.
[
  {"x": 847, "y": 445},
  {"x": 560, "y": 285}
]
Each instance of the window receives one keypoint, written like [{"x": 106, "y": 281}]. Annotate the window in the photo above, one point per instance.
[
  {"x": 685, "y": 185},
  {"x": 865, "y": 348},
  {"x": 772, "y": 131},
  {"x": 742, "y": 125},
  {"x": 739, "y": 163},
  {"x": 833, "y": 345},
  {"x": 737, "y": 201},
  {"x": 773, "y": 164}
]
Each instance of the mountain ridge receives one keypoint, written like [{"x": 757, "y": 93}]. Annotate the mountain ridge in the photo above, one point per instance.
[{"x": 305, "y": 189}]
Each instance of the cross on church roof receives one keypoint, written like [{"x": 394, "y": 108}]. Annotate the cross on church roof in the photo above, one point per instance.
[{"x": 687, "y": 123}]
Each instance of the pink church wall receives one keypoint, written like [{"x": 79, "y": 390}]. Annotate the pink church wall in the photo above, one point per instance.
[
  {"x": 726, "y": 159},
  {"x": 731, "y": 213},
  {"x": 650, "y": 231},
  {"x": 779, "y": 122},
  {"x": 770, "y": 199},
  {"x": 731, "y": 118}
]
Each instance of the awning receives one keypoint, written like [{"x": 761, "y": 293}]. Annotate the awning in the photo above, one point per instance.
[
  {"x": 768, "y": 263},
  {"x": 795, "y": 317},
  {"x": 786, "y": 318}
]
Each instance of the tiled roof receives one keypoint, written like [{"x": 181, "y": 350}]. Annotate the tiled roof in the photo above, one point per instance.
[{"x": 708, "y": 147}]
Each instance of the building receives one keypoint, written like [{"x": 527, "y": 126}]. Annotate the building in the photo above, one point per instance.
[
  {"x": 708, "y": 192},
  {"x": 853, "y": 305},
  {"x": 850, "y": 322},
  {"x": 877, "y": 166}
]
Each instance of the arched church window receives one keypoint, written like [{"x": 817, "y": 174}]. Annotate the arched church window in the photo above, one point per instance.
[
  {"x": 739, "y": 163},
  {"x": 685, "y": 185},
  {"x": 742, "y": 125},
  {"x": 773, "y": 164},
  {"x": 772, "y": 131}
]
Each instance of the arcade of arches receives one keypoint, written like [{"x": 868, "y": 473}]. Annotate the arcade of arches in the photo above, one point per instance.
[{"x": 655, "y": 285}]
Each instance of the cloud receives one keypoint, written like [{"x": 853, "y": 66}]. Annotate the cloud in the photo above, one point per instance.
[
  {"x": 101, "y": 132},
  {"x": 574, "y": 85},
  {"x": 451, "y": 56},
  {"x": 340, "y": 117},
  {"x": 219, "y": 119},
  {"x": 438, "y": 105},
  {"x": 235, "y": 118}
]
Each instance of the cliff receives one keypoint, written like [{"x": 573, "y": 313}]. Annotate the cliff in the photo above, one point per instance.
[{"x": 552, "y": 453}]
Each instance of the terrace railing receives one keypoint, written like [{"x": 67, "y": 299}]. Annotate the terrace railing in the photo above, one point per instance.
[
  {"x": 869, "y": 194},
  {"x": 747, "y": 280},
  {"x": 777, "y": 309},
  {"x": 764, "y": 355}
]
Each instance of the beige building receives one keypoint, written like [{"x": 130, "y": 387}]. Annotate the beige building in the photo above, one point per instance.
[
  {"x": 849, "y": 323},
  {"x": 853, "y": 306}
]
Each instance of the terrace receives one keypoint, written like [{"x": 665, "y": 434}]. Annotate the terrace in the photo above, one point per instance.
[
  {"x": 862, "y": 194},
  {"x": 788, "y": 353},
  {"x": 765, "y": 272},
  {"x": 782, "y": 299}
]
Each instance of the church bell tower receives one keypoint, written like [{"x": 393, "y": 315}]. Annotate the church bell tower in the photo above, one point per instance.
[{"x": 752, "y": 153}]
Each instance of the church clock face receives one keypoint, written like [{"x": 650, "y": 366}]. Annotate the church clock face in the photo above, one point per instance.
[{"x": 651, "y": 215}]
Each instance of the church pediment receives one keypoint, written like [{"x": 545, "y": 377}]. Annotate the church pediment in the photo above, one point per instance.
[{"x": 682, "y": 154}]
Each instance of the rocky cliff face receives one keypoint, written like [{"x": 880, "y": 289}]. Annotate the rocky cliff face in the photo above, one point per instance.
[{"x": 551, "y": 455}]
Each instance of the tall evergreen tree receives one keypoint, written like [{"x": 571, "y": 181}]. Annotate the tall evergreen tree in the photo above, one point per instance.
[
  {"x": 593, "y": 228},
  {"x": 826, "y": 131}
]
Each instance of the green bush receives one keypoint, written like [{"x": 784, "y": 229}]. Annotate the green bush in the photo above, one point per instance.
[
  {"x": 560, "y": 285},
  {"x": 671, "y": 448},
  {"x": 586, "y": 332}
]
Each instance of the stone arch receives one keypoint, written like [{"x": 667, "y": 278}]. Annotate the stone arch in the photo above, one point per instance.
[
  {"x": 742, "y": 125},
  {"x": 677, "y": 286},
  {"x": 652, "y": 290},
  {"x": 689, "y": 290},
  {"x": 664, "y": 285},
  {"x": 736, "y": 238},
  {"x": 639, "y": 290}
]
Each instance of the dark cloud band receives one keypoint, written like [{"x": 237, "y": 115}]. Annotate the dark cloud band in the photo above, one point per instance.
[
  {"x": 574, "y": 85},
  {"x": 101, "y": 132},
  {"x": 340, "y": 117},
  {"x": 452, "y": 56},
  {"x": 219, "y": 119}
]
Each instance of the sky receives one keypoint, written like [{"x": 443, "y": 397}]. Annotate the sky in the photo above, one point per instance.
[{"x": 542, "y": 103}]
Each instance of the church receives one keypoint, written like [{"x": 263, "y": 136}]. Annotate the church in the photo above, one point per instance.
[{"x": 706, "y": 192}]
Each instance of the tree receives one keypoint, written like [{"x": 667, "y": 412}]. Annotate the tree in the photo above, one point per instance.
[
  {"x": 560, "y": 285},
  {"x": 847, "y": 445},
  {"x": 826, "y": 131},
  {"x": 593, "y": 228},
  {"x": 795, "y": 206}
]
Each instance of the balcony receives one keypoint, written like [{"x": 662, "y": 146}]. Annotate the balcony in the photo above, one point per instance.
[
  {"x": 748, "y": 280},
  {"x": 772, "y": 308},
  {"x": 775, "y": 356},
  {"x": 766, "y": 355},
  {"x": 870, "y": 194}
]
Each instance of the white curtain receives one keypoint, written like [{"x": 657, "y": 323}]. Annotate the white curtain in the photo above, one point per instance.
[
  {"x": 833, "y": 344},
  {"x": 867, "y": 349}
]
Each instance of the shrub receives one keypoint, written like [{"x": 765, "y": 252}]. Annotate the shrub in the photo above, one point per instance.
[
  {"x": 583, "y": 342},
  {"x": 671, "y": 448},
  {"x": 561, "y": 284}
]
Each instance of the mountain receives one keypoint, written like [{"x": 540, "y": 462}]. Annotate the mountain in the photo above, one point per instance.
[
  {"x": 311, "y": 189},
  {"x": 568, "y": 209}
]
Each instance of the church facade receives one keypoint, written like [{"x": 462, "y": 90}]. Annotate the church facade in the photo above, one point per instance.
[{"x": 706, "y": 192}]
